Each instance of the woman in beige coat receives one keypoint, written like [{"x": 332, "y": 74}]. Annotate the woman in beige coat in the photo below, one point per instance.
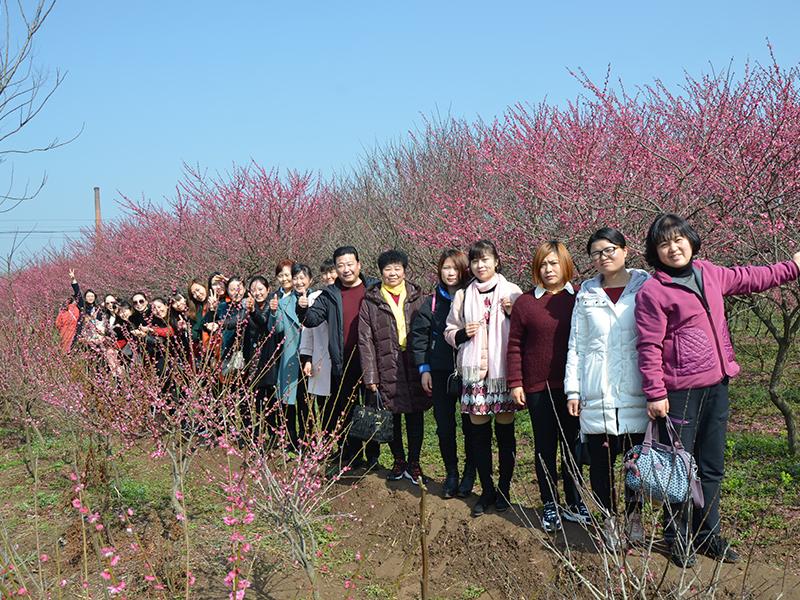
[{"x": 478, "y": 326}]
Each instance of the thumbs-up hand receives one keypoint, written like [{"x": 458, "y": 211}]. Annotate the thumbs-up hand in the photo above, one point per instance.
[
  {"x": 302, "y": 301},
  {"x": 273, "y": 303}
]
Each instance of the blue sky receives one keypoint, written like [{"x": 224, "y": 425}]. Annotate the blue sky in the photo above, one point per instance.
[{"x": 310, "y": 85}]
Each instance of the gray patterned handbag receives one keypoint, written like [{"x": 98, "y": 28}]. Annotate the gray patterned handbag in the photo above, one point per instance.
[{"x": 663, "y": 473}]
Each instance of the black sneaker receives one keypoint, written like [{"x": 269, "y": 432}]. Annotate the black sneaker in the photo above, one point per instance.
[
  {"x": 577, "y": 513},
  {"x": 718, "y": 548},
  {"x": 550, "y": 520},
  {"x": 413, "y": 471},
  {"x": 681, "y": 557},
  {"x": 398, "y": 470},
  {"x": 373, "y": 463}
]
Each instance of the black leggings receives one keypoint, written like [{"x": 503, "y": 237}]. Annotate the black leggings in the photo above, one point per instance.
[
  {"x": 603, "y": 450},
  {"x": 414, "y": 431}
]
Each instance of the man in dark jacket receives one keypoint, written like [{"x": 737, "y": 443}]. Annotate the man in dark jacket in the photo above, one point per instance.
[{"x": 339, "y": 305}]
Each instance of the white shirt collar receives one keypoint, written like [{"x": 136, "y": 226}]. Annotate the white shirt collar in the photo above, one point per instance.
[{"x": 540, "y": 291}]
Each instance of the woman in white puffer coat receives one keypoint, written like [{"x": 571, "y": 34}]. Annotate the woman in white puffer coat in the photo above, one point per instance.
[{"x": 603, "y": 384}]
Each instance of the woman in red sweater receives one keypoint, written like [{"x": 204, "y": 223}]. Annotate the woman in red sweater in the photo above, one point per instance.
[{"x": 536, "y": 359}]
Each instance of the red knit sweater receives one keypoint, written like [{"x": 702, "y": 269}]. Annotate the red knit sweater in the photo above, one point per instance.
[{"x": 538, "y": 340}]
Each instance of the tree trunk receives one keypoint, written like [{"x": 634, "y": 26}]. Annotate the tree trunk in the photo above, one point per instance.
[{"x": 778, "y": 400}]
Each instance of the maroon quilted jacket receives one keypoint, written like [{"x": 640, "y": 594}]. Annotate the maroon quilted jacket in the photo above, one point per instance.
[{"x": 683, "y": 338}]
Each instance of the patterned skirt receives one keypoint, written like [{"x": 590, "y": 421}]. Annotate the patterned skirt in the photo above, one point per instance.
[{"x": 476, "y": 400}]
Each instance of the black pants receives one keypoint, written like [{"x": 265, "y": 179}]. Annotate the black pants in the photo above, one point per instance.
[
  {"x": 415, "y": 427},
  {"x": 553, "y": 426},
  {"x": 701, "y": 418},
  {"x": 302, "y": 402},
  {"x": 347, "y": 392},
  {"x": 445, "y": 408},
  {"x": 603, "y": 450}
]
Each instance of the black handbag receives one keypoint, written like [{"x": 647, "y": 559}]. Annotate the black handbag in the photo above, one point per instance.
[
  {"x": 455, "y": 385},
  {"x": 372, "y": 424}
]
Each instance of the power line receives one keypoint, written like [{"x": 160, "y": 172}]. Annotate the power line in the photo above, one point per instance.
[{"x": 35, "y": 231}]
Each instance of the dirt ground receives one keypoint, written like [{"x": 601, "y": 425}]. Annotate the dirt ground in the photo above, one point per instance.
[
  {"x": 373, "y": 550},
  {"x": 495, "y": 556}
]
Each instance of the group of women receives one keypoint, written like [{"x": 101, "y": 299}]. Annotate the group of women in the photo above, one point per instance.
[
  {"x": 246, "y": 333},
  {"x": 591, "y": 363},
  {"x": 600, "y": 359}
]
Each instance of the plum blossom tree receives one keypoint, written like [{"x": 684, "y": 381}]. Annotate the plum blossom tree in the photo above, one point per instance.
[{"x": 722, "y": 150}]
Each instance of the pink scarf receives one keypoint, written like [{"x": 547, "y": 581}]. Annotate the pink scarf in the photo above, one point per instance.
[{"x": 494, "y": 338}]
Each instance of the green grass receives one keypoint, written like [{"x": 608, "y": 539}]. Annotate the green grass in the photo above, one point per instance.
[
  {"x": 134, "y": 494},
  {"x": 374, "y": 590},
  {"x": 472, "y": 592}
]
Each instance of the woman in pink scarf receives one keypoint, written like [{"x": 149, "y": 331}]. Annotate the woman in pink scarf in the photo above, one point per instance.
[{"x": 478, "y": 326}]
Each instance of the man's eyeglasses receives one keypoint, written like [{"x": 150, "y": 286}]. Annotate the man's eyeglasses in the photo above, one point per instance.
[{"x": 605, "y": 253}]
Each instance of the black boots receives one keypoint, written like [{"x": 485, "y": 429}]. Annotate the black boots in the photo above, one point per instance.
[
  {"x": 467, "y": 480},
  {"x": 506, "y": 455},
  {"x": 482, "y": 443},
  {"x": 450, "y": 485}
]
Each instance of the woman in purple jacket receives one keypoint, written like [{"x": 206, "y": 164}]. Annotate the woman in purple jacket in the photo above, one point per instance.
[{"x": 686, "y": 358}]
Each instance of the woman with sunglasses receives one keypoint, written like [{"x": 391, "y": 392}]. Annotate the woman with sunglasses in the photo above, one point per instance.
[{"x": 603, "y": 385}]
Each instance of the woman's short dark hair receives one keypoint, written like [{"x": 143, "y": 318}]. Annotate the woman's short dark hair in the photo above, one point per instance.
[
  {"x": 260, "y": 279},
  {"x": 160, "y": 299},
  {"x": 667, "y": 227},
  {"x": 214, "y": 275},
  {"x": 606, "y": 233},
  {"x": 231, "y": 280},
  {"x": 461, "y": 262},
  {"x": 484, "y": 248},
  {"x": 327, "y": 266},
  {"x": 392, "y": 257},
  {"x": 298, "y": 268}
]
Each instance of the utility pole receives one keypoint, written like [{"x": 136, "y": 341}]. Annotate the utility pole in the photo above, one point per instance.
[{"x": 97, "y": 220}]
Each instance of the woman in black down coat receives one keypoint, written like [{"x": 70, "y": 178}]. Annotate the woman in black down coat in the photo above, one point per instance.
[{"x": 435, "y": 360}]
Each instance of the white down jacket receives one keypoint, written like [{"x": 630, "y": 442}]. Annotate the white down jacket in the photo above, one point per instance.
[{"x": 602, "y": 363}]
